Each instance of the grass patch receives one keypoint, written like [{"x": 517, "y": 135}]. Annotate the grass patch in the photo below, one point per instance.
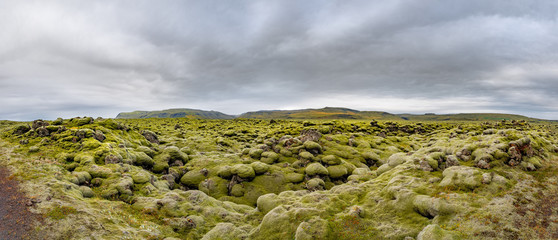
[{"x": 61, "y": 212}]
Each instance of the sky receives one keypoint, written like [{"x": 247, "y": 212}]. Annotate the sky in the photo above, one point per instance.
[{"x": 99, "y": 58}]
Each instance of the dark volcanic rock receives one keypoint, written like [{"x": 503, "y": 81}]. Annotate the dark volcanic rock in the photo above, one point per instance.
[
  {"x": 150, "y": 136},
  {"x": 21, "y": 129},
  {"x": 310, "y": 135},
  {"x": 39, "y": 123},
  {"x": 42, "y": 132},
  {"x": 111, "y": 159},
  {"x": 99, "y": 136}
]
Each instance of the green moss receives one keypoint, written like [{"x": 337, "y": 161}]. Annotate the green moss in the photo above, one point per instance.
[
  {"x": 97, "y": 171},
  {"x": 382, "y": 169},
  {"x": 86, "y": 192},
  {"x": 91, "y": 144},
  {"x": 174, "y": 154},
  {"x": 110, "y": 193},
  {"x": 315, "y": 184},
  {"x": 432, "y": 207},
  {"x": 263, "y": 184},
  {"x": 294, "y": 177},
  {"x": 256, "y": 153},
  {"x": 58, "y": 121},
  {"x": 306, "y": 155},
  {"x": 259, "y": 167},
  {"x": 316, "y": 169},
  {"x": 438, "y": 156},
  {"x": 192, "y": 178},
  {"x": 461, "y": 177},
  {"x": 432, "y": 162},
  {"x": 225, "y": 172},
  {"x": 34, "y": 149},
  {"x": 127, "y": 169},
  {"x": 536, "y": 161},
  {"x": 243, "y": 171},
  {"x": 361, "y": 171},
  {"x": 315, "y": 228},
  {"x": 225, "y": 231},
  {"x": 150, "y": 152},
  {"x": 500, "y": 155},
  {"x": 82, "y": 177},
  {"x": 331, "y": 160},
  {"x": 143, "y": 159},
  {"x": 238, "y": 190},
  {"x": 141, "y": 177},
  {"x": 434, "y": 232},
  {"x": 160, "y": 166},
  {"x": 215, "y": 187},
  {"x": 269, "y": 157},
  {"x": 371, "y": 157},
  {"x": 312, "y": 147},
  {"x": 61, "y": 212},
  {"x": 337, "y": 171},
  {"x": 397, "y": 159}
]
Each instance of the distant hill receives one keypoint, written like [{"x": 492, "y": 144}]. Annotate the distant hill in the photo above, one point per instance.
[
  {"x": 322, "y": 113},
  {"x": 175, "y": 113},
  {"x": 464, "y": 117}
]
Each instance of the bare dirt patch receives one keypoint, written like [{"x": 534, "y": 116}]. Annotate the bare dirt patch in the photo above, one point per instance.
[{"x": 16, "y": 222}]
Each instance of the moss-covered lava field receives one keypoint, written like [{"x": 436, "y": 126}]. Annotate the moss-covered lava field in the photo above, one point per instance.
[{"x": 286, "y": 179}]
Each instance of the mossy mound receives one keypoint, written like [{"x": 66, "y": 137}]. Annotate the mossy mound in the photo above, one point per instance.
[
  {"x": 192, "y": 179},
  {"x": 314, "y": 169},
  {"x": 462, "y": 177},
  {"x": 243, "y": 171}
]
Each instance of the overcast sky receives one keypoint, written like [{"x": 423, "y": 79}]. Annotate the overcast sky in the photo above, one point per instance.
[{"x": 99, "y": 58}]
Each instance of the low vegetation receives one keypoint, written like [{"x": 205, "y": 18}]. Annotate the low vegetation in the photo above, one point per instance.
[{"x": 178, "y": 178}]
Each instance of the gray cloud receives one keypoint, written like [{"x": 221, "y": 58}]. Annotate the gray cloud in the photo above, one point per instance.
[{"x": 68, "y": 58}]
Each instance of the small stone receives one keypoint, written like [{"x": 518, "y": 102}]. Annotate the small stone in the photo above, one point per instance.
[
  {"x": 451, "y": 161},
  {"x": 425, "y": 166},
  {"x": 434, "y": 180},
  {"x": 483, "y": 164},
  {"x": 486, "y": 178}
]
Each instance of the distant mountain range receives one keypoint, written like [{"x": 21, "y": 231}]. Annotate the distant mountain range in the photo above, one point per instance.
[
  {"x": 322, "y": 113},
  {"x": 175, "y": 113},
  {"x": 466, "y": 117}
]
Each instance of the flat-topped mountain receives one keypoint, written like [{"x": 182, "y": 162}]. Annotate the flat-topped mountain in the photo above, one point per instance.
[{"x": 175, "y": 113}]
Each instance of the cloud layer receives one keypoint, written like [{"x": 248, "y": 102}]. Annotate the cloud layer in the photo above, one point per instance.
[{"x": 68, "y": 58}]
